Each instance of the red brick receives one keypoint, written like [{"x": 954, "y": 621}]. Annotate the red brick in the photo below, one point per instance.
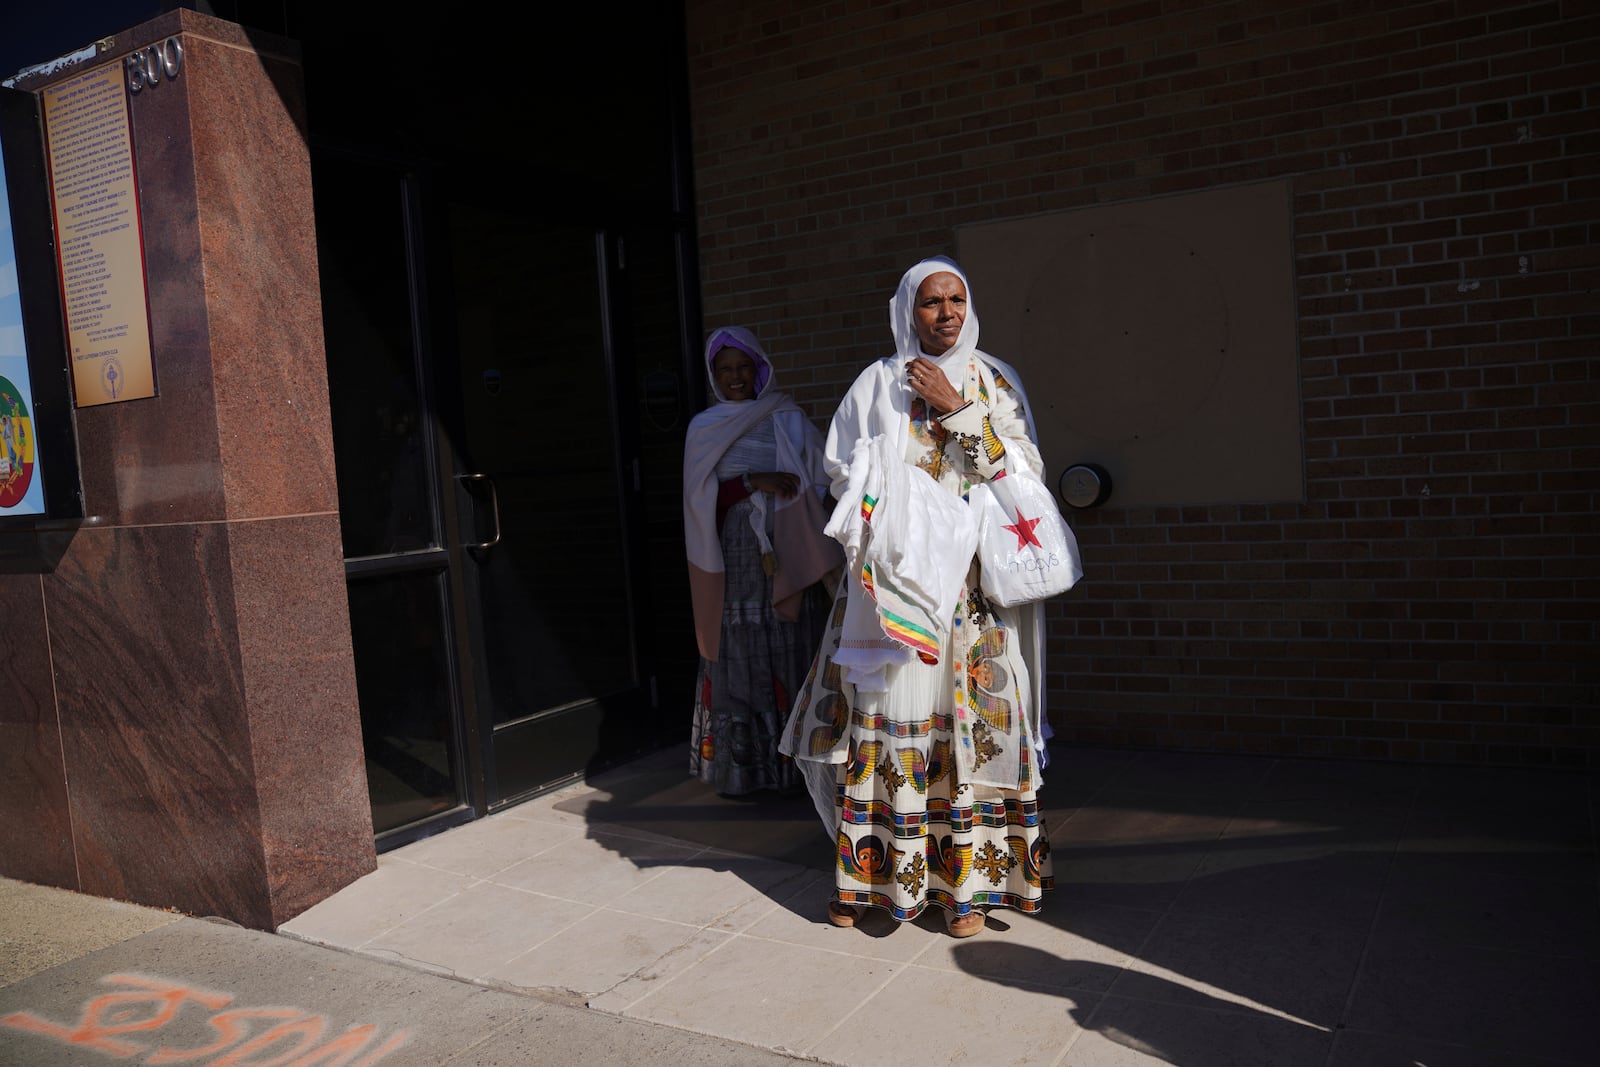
[{"x": 1434, "y": 196}]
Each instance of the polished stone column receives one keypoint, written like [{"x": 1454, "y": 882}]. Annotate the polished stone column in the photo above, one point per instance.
[{"x": 181, "y": 727}]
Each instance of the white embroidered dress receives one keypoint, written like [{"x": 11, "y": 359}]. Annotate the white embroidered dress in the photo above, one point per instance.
[{"x": 928, "y": 779}]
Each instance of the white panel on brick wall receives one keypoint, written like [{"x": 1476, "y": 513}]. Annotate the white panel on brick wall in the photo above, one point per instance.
[{"x": 1156, "y": 338}]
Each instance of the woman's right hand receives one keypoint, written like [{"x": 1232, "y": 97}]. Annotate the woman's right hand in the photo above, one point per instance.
[{"x": 778, "y": 483}]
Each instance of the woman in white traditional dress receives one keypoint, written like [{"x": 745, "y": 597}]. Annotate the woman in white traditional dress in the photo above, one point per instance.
[
  {"x": 920, "y": 729},
  {"x": 753, "y": 487}
]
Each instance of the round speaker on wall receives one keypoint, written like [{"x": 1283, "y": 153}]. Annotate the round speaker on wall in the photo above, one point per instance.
[{"x": 1084, "y": 485}]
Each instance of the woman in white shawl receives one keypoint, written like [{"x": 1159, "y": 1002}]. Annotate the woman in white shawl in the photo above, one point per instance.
[
  {"x": 922, "y": 740},
  {"x": 753, "y": 482}
]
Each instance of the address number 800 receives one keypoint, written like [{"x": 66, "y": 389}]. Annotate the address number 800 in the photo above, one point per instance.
[{"x": 149, "y": 65}]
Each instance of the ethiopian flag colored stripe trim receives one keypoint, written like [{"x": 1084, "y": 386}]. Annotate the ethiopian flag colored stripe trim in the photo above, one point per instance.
[{"x": 908, "y": 633}]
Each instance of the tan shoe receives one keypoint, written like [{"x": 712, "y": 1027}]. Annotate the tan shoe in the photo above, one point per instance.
[
  {"x": 845, "y": 915},
  {"x": 964, "y": 926}
]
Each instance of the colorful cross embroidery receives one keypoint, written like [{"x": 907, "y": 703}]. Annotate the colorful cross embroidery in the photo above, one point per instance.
[{"x": 993, "y": 863}]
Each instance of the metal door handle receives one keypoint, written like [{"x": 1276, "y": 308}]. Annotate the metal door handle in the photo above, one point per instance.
[{"x": 494, "y": 508}]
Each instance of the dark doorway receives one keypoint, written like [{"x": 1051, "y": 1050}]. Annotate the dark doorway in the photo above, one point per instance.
[
  {"x": 549, "y": 456},
  {"x": 512, "y": 328}
]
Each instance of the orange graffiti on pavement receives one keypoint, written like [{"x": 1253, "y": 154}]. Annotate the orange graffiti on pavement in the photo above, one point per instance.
[
  {"x": 229, "y": 1025},
  {"x": 107, "y": 1021}
]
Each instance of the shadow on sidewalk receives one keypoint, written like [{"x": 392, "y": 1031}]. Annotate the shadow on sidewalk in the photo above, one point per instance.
[
  {"x": 1177, "y": 1038},
  {"x": 1296, "y": 899}
]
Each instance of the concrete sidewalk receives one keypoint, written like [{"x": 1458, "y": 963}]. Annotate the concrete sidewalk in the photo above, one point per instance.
[
  {"x": 1209, "y": 910},
  {"x": 85, "y": 981}
]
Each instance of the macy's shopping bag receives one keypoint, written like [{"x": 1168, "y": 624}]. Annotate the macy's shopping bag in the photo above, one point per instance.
[{"x": 1026, "y": 550}]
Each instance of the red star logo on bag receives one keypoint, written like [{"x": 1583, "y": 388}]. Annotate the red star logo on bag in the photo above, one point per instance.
[{"x": 1024, "y": 530}]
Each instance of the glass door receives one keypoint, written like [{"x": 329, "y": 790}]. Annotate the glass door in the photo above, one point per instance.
[
  {"x": 388, "y": 457},
  {"x": 548, "y": 469},
  {"x": 509, "y": 393}
]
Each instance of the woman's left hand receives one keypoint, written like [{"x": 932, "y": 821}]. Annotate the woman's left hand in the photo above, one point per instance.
[{"x": 929, "y": 382}]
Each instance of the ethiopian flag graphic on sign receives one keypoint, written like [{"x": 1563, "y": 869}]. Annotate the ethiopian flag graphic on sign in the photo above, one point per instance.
[{"x": 16, "y": 445}]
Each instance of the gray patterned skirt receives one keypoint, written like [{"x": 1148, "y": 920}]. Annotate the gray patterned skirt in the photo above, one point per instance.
[{"x": 742, "y": 700}]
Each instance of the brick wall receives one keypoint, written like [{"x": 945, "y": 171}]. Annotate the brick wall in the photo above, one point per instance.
[{"x": 1434, "y": 597}]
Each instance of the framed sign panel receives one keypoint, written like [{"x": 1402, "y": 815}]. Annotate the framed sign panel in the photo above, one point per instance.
[
  {"x": 40, "y": 486},
  {"x": 95, "y": 194}
]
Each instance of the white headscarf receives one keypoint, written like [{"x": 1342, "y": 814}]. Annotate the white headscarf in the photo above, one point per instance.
[
  {"x": 902, "y": 319},
  {"x": 742, "y": 339}
]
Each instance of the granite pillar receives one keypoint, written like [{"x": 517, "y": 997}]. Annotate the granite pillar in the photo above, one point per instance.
[{"x": 184, "y": 729}]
